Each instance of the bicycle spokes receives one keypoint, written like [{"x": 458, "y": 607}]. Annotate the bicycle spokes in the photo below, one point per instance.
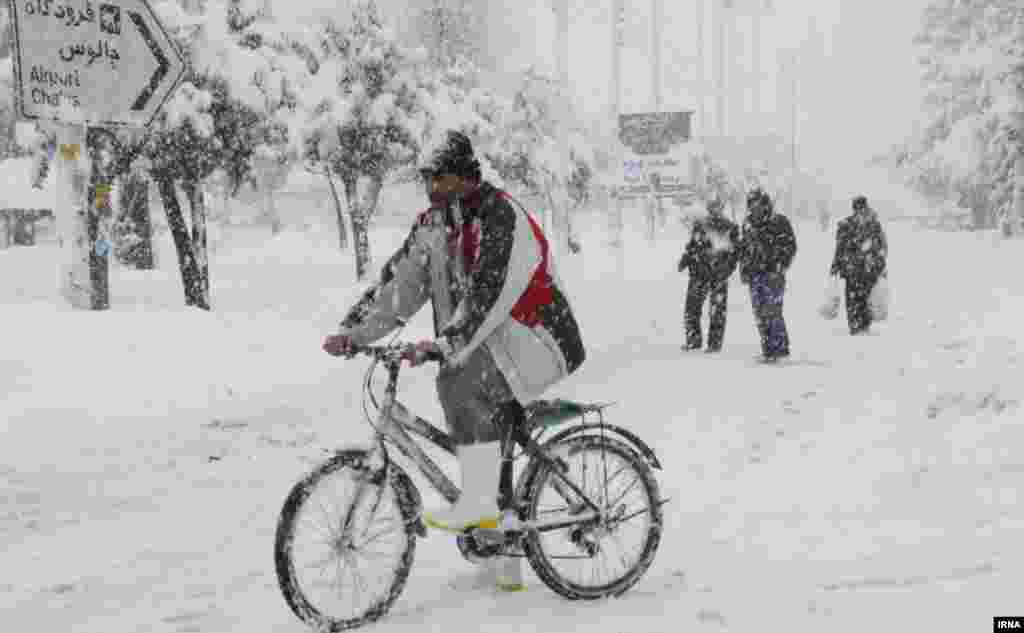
[
  {"x": 341, "y": 541},
  {"x": 604, "y": 553}
]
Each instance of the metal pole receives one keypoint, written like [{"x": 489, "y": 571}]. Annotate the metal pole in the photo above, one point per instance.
[
  {"x": 701, "y": 77},
  {"x": 618, "y": 221},
  {"x": 565, "y": 102},
  {"x": 793, "y": 131},
  {"x": 617, "y": 35},
  {"x": 720, "y": 64},
  {"x": 656, "y": 55},
  {"x": 756, "y": 62}
]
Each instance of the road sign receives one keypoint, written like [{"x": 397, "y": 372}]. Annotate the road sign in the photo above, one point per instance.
[{"x": 98, "y": 63}]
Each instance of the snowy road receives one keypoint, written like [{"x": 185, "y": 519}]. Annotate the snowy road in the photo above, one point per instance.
[{"x": 874, "y": 484}]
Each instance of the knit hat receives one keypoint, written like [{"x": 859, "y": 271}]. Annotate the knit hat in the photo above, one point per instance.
[
  {"x": 453, "y": 155},
  {"x": 758, "y": 196}
]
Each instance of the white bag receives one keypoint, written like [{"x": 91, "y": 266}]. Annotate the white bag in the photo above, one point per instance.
[
  {"x": 879, "y": 300},
  {"x": 830, "y": 306}
]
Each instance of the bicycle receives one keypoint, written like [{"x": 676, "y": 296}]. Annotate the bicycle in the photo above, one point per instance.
[{"x": 551, "y": 498}]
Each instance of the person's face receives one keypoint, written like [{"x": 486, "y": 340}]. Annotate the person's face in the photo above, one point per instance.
[{"x": 443, "y": 187}]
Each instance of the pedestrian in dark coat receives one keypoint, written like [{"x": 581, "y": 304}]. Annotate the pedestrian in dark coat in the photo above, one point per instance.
[
  {"x": 767, "y": 249},
  {"x": 710, "y": 256},
  {"x": 860, "y": 259}
]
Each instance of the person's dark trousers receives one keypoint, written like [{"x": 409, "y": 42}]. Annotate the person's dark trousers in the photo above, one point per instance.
[
  {"x": 717, "y": 292},
  {"x": 766, "y": 296},
  {"x": 858, "y": 308}
]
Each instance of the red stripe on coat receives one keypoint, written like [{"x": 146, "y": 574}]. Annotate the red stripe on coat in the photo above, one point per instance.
[{"x": 539, "y": 292}]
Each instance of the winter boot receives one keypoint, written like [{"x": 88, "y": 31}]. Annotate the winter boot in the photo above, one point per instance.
[
  {"x": 508, "y": 574},
  {"x": 477, "y": 506}
]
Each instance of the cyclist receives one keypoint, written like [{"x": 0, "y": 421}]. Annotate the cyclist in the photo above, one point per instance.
[{"x": 501, "y": 318}]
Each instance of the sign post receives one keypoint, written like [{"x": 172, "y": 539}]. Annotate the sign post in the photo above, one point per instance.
[{"x": 82, "y": 63}]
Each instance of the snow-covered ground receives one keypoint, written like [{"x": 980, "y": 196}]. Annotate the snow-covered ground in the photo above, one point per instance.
[{"x": 874, "y": 484}]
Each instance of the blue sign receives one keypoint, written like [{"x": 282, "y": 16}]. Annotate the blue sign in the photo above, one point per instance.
[{"x": 633, "y": 169}]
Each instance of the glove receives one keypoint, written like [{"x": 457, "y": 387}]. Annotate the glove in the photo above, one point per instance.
[
  {"x": 339, "y": 345},
  {"x": 421, "y": 352}
]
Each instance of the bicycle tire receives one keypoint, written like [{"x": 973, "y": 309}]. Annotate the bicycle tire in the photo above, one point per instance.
[
  {"x": 536, "y": 477},
  {"x": 406, "y": 499}
]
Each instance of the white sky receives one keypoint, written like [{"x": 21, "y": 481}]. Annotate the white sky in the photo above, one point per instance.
[{"x": 863, "y": 95}]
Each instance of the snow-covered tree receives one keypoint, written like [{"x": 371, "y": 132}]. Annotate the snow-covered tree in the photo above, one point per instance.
[
  {"x": 972, "y": 63},
  {"x": 451, "y": 32},
  {"x": 277, "y": 61},
  {"x": 214, "y": 123},
  {"x": 367, "y": 113}
]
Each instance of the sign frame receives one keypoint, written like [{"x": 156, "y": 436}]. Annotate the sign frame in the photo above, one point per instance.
[{"x": 167, "y": 55}]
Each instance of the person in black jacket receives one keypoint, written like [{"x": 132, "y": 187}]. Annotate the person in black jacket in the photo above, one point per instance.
[
  {"x": 860, "y": 259},
  {"x": 710, "y": 256},
  {"x": 767, "y": 249}
]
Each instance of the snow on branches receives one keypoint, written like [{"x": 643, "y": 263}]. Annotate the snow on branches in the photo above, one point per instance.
[
  {"x": 971, "y": 54},
  {"x": 365, "y": 110}
]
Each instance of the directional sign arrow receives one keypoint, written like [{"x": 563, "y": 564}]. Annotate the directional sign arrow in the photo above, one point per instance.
[{"x": 162, "y": 64}]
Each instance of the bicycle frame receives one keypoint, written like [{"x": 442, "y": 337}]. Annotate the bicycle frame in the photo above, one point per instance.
[{"x": 396, "y": 423}]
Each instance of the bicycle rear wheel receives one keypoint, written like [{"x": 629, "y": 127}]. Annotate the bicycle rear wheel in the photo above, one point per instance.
[
  {"x": 600, "y": 557},
  {"x": 345, "y": 542}
]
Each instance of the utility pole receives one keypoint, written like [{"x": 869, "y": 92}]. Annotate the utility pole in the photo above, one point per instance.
[
  {"x": 564, "y": 97},
  {"x": 617, "y": 221},
  {"x": 1017, "y": 214},
  {"x": 756, "y": 63},
  {"x": 618, "y": 26},
  {"x": 702, "y": 91},
  {"x": 656, "y": 19},
  {"x": 792, "y": 65},
  {"x": 720, "y": 80}
]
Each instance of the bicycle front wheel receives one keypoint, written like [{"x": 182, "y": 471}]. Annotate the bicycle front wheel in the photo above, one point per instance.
[
  {"x": 345, "y": 542},
  {"x": 602, "y": 557}
]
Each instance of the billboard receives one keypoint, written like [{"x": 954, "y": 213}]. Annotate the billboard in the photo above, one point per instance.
[{"x": 658, "y": 160}]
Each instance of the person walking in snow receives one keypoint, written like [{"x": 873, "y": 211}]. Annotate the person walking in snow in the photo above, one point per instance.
[
  {"x": 860, "y": 259},
  {"x": 710, "y": 256},
  {"x": 502, "y": 321},
  {"x": 767, "y": 249}
]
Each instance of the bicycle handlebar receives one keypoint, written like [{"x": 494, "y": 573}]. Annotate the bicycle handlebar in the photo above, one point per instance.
[{"x": 394, "y": 353}]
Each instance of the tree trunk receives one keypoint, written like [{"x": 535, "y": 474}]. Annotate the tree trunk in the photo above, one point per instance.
[
  {"x": 100, "y": 220},
  {"x": 369, "y": 205},
  {"x": 360, "y": 227},
  {"x": 270, "y": 211},
  {"x": 572, "y": 240},
  {"x": 342, "y": 231},
  {"x": 135, "y": 227},
  {"x": 191, "y": 276},
  {"x": 197, "y": 202},
  {"x": 1017, "y": 214}
]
